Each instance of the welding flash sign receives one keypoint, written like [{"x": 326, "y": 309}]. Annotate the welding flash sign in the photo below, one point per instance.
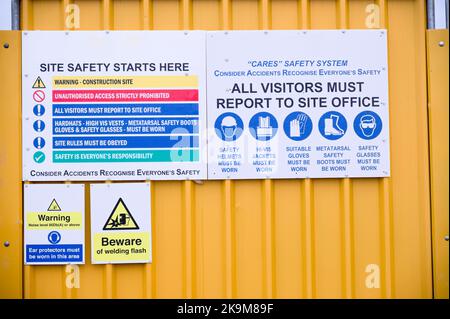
[{"x": 120, "y": 218}]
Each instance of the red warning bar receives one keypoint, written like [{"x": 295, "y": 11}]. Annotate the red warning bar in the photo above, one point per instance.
[{"x": 124, "y": 95}]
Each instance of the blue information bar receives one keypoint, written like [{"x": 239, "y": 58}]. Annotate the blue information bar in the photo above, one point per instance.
[
  {"x": 111, "y": 126},
  {"x": 117, "y": 109},
  {"x": 121, "y": 142},
  {"x": 54, "y": 253}
]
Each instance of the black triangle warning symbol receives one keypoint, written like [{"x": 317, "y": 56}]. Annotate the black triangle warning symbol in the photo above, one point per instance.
[
  {"x": 38, "y": 84},
  {"x": 120, "y": 218},
  {"x": 54, "y": 207}
]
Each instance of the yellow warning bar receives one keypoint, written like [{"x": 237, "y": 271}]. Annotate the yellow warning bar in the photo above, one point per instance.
[
  {"x": 70, "y": 82},
  {"x": 54, "y": 220}
]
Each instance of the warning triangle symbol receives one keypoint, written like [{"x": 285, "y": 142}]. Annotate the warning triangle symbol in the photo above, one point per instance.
[
  {"x": 54, "y": 207},
  {"x": 38, "y": 84},
  {"x": 120, "y": 218}
]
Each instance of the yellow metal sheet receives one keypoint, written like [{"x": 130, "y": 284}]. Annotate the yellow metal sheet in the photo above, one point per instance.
[
  {"x": 331, "y": 238},
  {"x": 10, "y": 166},
  {"x": 438, "y": 109}
]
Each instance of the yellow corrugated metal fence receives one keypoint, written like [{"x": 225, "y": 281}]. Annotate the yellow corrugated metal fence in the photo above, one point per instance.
[{"x": 310, "y": 238}]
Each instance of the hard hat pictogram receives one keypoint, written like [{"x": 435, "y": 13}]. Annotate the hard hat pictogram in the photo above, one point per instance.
[{"x": 229, "y": 121}]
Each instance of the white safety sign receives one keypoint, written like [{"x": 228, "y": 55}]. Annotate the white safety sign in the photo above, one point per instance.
[
  {"x": 297, "y": 104},
  {"x": 53, "y": 224},
  {"x": 122, "y": 105},
  {"x": 120, "y": 223},
  {"x": 132, "y": 105}
]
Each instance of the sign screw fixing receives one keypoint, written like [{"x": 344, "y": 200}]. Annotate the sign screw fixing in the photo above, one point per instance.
[
  {"x": 446, "y": 238},
  {"x": 6, "y": 244},
  {"x": 441, "y": 43},
  {"x": 6, "y": 45}
]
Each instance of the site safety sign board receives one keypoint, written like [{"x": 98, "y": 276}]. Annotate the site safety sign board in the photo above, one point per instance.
[
  {"x": 53, "y": 224},
  {"x": 120, "y": 223},
  {"x": 297, "y": 104},
  {"x": 133, "y": 105},
  {"x": 122, "y": 105}
]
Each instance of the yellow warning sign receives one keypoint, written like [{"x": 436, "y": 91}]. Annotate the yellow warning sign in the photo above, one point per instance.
[
  {"x": 38, "y": 84},
  {"x": 120, "y": 218},
  {"x": 54, "y": 207}
]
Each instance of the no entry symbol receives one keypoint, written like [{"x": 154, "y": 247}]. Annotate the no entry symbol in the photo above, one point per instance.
[{"x": 39, "y": 96}]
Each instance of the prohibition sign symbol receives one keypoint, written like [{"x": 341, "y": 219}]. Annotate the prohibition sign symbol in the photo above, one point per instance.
[{"x": 39, "y": 96}]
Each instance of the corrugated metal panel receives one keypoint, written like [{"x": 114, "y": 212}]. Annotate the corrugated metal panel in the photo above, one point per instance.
[
  {"x": 281, "y": 238},
  {"x": 437, "y": 45}
]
